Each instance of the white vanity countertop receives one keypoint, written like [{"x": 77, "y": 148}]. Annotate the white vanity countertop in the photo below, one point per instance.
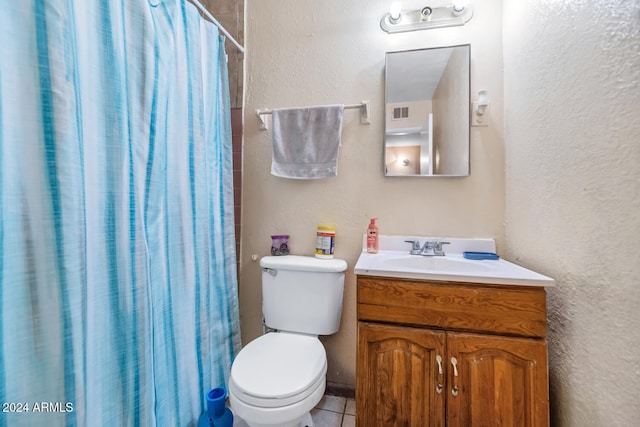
[{"x": 393, "y": 260}]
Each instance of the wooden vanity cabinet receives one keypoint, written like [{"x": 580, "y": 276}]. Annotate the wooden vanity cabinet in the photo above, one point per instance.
[{"x": 450, "y": 354}]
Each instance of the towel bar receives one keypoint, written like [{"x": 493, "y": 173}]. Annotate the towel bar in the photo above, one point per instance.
[{"x": 363, "y": 107}]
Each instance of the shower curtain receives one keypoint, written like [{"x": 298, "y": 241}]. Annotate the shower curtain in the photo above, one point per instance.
[{"x": 117, "y": 252}]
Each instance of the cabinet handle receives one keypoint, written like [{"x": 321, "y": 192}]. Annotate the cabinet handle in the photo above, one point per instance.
[
  {"x": 454, "y": 388},
  {"x": 439, "y": 387}
]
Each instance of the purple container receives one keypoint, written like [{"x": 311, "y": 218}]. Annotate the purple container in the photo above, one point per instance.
[{"x": 280, "y": 245}]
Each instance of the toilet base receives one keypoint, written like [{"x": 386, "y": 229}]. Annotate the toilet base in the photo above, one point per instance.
[
  {"x": 307, "y": 421},
  {"x": 296, "y": 415}
]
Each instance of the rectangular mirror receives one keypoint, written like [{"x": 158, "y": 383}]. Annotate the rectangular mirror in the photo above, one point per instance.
[{"x": 427, "y": 112}]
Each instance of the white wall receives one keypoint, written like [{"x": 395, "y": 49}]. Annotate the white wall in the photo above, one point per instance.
[
  {"x": 304, "y": 52},
  {"x": 572, "y": 144}
]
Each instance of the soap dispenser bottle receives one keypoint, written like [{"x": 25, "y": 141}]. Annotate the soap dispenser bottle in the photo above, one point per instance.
[{"x": 372, "y": 237}]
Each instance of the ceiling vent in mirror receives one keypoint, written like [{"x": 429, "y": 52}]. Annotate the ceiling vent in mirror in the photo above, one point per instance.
[{"x": 400, "y": 113}]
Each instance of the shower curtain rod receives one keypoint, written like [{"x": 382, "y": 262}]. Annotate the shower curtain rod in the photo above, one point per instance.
[{"x": 218, "y": 24}]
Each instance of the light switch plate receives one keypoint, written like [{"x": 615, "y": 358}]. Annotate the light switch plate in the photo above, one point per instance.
[{"x": 480, "y": 121}]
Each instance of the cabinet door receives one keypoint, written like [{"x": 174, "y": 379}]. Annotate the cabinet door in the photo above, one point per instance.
[
  {"x": 500, "y": 381},
  {"x": 399, "y": 383}
]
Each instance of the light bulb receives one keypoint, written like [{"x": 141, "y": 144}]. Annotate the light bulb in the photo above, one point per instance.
[
  {"x": 394, "y": 11},
  {"x": 458, "y": 8}
]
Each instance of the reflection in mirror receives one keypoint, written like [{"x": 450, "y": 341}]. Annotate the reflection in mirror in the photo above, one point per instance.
[{"x": 427, "y": 112}]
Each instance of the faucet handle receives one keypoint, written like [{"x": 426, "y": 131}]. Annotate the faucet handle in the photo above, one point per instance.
[
  {"x": 437, "y": 247},
  {"x": 415, "y": 246}
]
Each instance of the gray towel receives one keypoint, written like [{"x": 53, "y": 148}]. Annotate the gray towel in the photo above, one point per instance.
[{"x": 306, "y": 142}]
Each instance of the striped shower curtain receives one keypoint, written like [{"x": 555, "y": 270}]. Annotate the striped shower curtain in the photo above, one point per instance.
[{"x": 117, "y": 253}]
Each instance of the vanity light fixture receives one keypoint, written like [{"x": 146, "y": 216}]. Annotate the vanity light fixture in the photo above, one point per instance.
[{"x": 398, "y": 20}]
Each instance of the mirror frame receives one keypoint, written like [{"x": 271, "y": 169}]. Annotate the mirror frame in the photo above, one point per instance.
[{"x": 466, "y": 119}]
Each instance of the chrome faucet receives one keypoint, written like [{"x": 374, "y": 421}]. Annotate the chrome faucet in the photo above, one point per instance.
[
  {"x": 430, "y": 247},
  {"x": 415, "y": 247}
]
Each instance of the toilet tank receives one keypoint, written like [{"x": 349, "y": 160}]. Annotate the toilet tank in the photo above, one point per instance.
[{"x": 302, "y": 294}]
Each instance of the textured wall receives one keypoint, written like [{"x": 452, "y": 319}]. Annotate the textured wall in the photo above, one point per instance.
[
  {"x": 572, "y": 147},
  {"x": 300, "y": 54}
]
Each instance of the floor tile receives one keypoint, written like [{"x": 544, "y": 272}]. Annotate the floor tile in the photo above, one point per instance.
[
  {"x": 323, "y": 418},
  {"x": 351, "y": 407},
  {"x": 349, "y": 421},
  {"x": 332, "y": 403}
]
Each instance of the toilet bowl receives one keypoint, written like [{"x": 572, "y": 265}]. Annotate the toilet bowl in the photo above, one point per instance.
[{"x": 277, "y": 379}]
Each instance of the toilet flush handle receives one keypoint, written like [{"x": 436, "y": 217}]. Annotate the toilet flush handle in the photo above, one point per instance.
[{"x": 271, "y": 271}]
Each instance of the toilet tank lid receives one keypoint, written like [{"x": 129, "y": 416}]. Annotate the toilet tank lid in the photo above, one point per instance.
[{"x": 303, "y": 263}]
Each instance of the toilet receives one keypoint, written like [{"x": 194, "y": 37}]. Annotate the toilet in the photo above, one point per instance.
[{"x": 279, "y": 377}]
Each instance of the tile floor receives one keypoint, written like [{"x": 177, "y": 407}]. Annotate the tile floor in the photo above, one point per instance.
[{"x": 331, "y": 411}]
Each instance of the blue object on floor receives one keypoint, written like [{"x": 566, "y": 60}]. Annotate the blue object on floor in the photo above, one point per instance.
[
  {"x": 217, "y": 414},
  {"x": 480, "y": 255}
]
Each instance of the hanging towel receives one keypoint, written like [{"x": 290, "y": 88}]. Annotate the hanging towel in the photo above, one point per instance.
[{"x": 306, "y": 142}]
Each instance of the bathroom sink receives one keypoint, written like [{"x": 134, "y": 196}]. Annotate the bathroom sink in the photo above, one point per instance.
[
  {"x": 450, "y": 263},
  {"x": 394, "y": 260}
]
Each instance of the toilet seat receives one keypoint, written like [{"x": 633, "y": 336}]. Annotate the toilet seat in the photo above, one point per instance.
[{"x": 278, "y": 369}]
